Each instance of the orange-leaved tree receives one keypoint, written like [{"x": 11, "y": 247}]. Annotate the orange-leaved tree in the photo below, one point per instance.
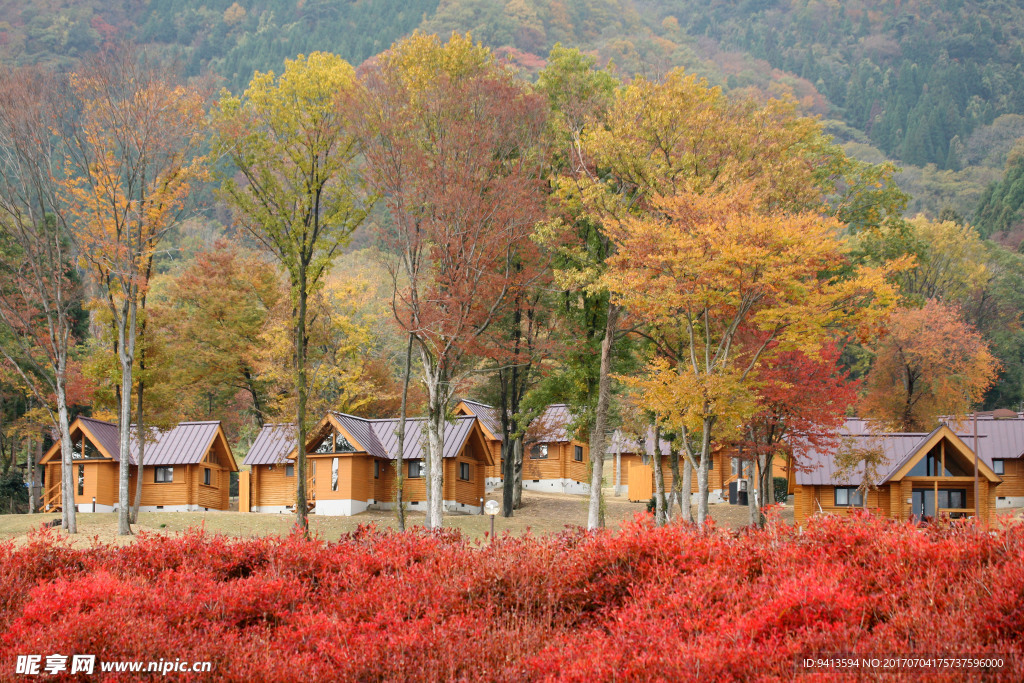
[
  {"x": 454, "y": 147},
  {"x": 930, "y": 363},
  {"x": 709, "y": 273},
  {"x": 133, "y": 155}
]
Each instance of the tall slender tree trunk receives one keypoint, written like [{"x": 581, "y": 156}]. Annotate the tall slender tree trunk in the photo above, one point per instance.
[
  {"x": 399, "y": 472},
  {"x": 686, "y": 501},
  {"x": 676, "y": 496},
  {"x": 518, "y": 448},
  {"x": 753, "y": 496},
  {"x": 126, "y": 353},
  {"x": 618, "y": 464},
  {"x": 595, "y": 513},
  {"x": 301, "y": 507},
  {"x": 30, "y": 471},
  {"x": 659, "y": 481},
  {"x": 67, "y": 484},
  {"x": 702, "y": 471},
  {"x": 435, "y": 470},
  {"x": 142, "y": 446}
]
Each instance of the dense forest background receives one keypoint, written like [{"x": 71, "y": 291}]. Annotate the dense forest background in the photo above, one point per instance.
[{"x": 935, "y": 87}]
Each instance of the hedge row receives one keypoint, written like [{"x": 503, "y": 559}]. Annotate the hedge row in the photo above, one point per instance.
[{"x": 639, "y": 603}]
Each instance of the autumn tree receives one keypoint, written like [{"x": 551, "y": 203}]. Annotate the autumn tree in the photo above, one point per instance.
[
  {"x": 40, "y": 292},
  {"x": 707, "y": 271},
  {"x": 298, "y": 189},
  {"x": 211, "y": 315},
  {"x": 679, "y": 137},
  {"x": 801, "y": 400},
  {"x": 133, "y": 147},
  {"x": 579, "y": 95},
  {"x": 452, "y": 144},
  {"x": 929, "y": 363}
]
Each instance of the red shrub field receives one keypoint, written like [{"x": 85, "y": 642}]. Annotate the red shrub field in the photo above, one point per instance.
[{"x": 639, "y": 603}]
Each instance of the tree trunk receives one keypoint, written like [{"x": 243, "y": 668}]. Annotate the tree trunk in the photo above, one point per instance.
[
  {"x": 399, "y": 472},
  {"x": 686, "y": 499},
  {"x": 676, "y": 496},
  {"x": 660, "y": 515},
  {"x": 767, "y": 484},
  {"x": 702, "y": 470},
  {"x": 618, "y": 465},
  {"x": 142, "y": 447},
  {"x": 126, "y": 352},
  {"x": 67, "y": 483},
  {"x": 301, "y": 506},
  {"x": 435, "y": 470},
  {"x": 753, "y": 500},
  {"x": 595, "y": 512},
  {"x": 30, "y": 471},
  {"x": 517, "y": 488}
]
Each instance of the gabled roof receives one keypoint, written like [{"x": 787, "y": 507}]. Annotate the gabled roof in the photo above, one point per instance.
[
  {"x": 276, "y": 443},
  {"x": 488, "y": 416},
  {"x": 185, "y": 444},
  {"x": 104, "y": 434},
  {"x": 551, "y": 426},
  {"x": 272, "y": 445},
  {"x": 1004, "y": 436},
  {"x": 632, "y": 446},
  {"x": 819, "y": 467}
]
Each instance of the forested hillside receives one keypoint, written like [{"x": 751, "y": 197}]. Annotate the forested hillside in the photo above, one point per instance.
[{"x": 936, "y": 86}]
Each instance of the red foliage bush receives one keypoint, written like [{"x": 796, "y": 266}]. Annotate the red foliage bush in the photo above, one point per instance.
[{"x": 641, "y": 603}]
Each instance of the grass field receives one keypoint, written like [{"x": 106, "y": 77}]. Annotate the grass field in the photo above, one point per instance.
[{"x": 542, "y": 513}]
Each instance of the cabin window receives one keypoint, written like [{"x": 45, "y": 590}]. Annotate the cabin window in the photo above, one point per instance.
[
  {"x": 334, "y": 474},
  {"x": 539, "y": 452},
  {"x": 998, "y": 467},
  {"x": 90, "y": 449},
  {"x": 163, "y": 475},
  {"x": 415, "y": 469},
  {"x": 206, "y": 476},
  {"x": 326, "y": 446},
  {"x": 849, "y": 496},
  {"x": 931, "y": 466},
  {"x": 464, "y": 471},
  {"x": 81, "y": 480},
  {"x": 578, "y": 454},
  {"x": 952, "y": 498},
  {"x": 376, "y": 469},
  {"x": 289, "y": 470},
  {"x": 76, "y": 449}
]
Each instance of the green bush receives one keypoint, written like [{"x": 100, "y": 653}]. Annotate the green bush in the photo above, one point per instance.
[{"x": 781, "y": 486}]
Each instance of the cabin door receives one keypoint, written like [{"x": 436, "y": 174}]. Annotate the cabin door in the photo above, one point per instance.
[{"x": 923, "y": 505}]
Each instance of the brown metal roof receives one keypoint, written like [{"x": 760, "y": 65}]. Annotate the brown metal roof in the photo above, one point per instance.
[
  {"x": 1004, "y": 437},
  {"x": 273, "y": 445},
  {"x": 105, "y": 434},
  {"x": 185, "y": 444},
  {"x": 819, "y": 462},
  {"x": 632, "y": 446},
  {"x": 488, "y": 416},
  {"x": 276, "y": 443}
]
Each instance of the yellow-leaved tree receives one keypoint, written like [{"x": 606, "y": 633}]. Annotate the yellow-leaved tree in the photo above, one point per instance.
[
  {"x": 720, "y": 283},
  {"x": 291, "y": 138},
  {"x": 133, "y": 155}
]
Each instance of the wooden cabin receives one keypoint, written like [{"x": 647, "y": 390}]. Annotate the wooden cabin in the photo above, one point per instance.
[
  {"x": 553, "y": 459},
  {"x": 922, "y": 476},
  {"x": 187, "y": 468},
  {"x": 1001, "y": 442},
  {"x": 636, "y": 469},
  {"x": 350, "y": 466}
]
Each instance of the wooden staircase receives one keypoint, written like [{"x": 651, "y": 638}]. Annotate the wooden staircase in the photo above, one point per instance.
[{"x": 51, "y": 500}]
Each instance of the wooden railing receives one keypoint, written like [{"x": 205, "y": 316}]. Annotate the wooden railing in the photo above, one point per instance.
[{"x": 51, "y": 498}]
